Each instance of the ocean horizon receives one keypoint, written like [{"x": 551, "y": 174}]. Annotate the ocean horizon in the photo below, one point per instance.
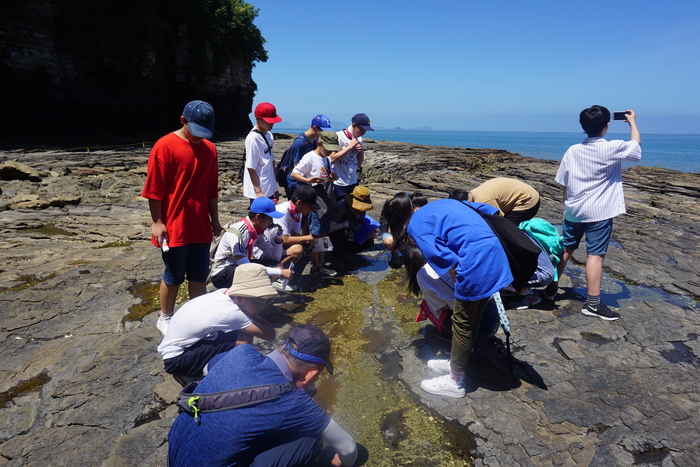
[{"x": 670, "y": 151}]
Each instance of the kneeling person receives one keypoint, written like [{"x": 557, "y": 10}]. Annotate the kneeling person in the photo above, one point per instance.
[
  {"x": 218, "y": 321},
  {"x": 286, "y": 431},
  {"x": 302, "y": 203},
  {"x": 254, "y": 242}
]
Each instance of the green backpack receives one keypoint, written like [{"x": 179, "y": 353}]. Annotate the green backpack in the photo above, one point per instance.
[{"x": 548, "y": 237}]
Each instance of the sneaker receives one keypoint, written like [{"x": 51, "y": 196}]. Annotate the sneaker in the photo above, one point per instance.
[
  {"x": 601, "y": 311},
  {"x": 328, "y": 271},
  {"x": 320, "y": 272},
  {"x": 439, "y": 366},
  {"x": 526, "y": 300},
  {"x": 443, "y": 386},
  {"x": 279, "y": 285},
  {"x": 551, "y": 291},
  {"x": 163, "y": 322}
]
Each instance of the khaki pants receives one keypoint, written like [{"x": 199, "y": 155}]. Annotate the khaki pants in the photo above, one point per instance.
[{"x": 466, "y": 320}]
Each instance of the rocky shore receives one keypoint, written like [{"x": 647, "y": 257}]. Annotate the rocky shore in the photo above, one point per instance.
[{"x": 83, "y": 385}]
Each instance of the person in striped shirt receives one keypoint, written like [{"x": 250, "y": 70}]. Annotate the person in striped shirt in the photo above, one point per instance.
[{"x": 591, "y": 176}]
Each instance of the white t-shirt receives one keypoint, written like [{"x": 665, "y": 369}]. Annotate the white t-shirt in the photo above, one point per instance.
[
  {"x": 438, "y": 291},
  {"x": 592, "y": 174},
  {"x": 261, "y": 158},
  {"x": 288, "y": 224},
  {"x": 311, "y": 164},
  {"x": 346, "y": 166},
  {"x": 263, "y": 248},
  {"x": 200, "y": 317}
]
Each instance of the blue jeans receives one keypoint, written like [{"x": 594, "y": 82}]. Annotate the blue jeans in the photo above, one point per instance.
[{"x": 298, "y": 452}]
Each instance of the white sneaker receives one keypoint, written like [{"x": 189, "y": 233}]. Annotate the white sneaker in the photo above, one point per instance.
[
  {"x": 277, "y": 285},
  {"x": 443, "y": 386},
  {"x": 163, "y": 322},
  {"x": 439, "y": 366}
]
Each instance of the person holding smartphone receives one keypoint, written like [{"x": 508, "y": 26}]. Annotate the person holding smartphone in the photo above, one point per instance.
[{"x": 591, "y": 176}]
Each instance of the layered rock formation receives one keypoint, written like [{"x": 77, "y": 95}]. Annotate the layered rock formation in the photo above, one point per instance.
[{"x": 82, "y": 384}]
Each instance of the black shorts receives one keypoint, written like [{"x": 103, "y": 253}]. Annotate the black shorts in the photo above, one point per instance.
[{"x": 192, "y": 361}]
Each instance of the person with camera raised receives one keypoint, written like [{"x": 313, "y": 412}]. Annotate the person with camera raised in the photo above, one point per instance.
[{"x": 591, "y": 174}]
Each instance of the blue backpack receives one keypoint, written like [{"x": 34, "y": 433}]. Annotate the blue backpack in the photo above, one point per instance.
[{"x": 547, "y": 237}]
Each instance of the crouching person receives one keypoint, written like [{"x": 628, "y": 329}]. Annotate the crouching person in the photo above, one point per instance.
[
  {"x": 352, "y": 231},
  {"x": 216, "y": 322},
  {"x": 287, "y": 431},
  {"x": 252, "y": 239}
]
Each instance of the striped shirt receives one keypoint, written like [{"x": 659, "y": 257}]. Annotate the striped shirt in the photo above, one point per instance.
[{"x": 592, "y": 174}]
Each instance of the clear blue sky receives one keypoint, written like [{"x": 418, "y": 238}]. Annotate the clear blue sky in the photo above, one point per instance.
[{"x": 483, "y": 66}]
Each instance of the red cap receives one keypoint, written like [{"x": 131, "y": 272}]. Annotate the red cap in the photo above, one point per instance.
[{"x": 267, "y": 112}]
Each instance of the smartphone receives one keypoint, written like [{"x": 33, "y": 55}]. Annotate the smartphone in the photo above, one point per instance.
[{"x": 619, "y": 116}]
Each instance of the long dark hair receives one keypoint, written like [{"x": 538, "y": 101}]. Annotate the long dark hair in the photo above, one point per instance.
[
  {"x": 397, "y": 213},
  {"x": 413, "y": 260}
]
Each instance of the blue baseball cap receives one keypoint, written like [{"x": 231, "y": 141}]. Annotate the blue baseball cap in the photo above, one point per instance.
[
  {"x": 321, "y": 121},
  {"x": 263, "y": 205},
  {"x": 199, "y": 116}
]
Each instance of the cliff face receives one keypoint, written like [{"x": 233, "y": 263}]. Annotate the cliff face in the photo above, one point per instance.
[{"x": 70, "y": 75}]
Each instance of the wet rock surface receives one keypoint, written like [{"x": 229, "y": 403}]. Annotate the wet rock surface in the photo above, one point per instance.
[{"x": 83, "y": 385}]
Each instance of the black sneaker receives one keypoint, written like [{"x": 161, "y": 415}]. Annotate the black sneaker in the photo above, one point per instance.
[
  {"x": 318, "y": 273},
  {"x": 601, "y": 311},
  {"x": 551, "y": 291}
]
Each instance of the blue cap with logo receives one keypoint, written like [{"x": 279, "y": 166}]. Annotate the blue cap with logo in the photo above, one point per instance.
[
  {"x": 321, "y": 121},
  {"x": 199, "y": 116},
  {"x": 363, "y": 121}
]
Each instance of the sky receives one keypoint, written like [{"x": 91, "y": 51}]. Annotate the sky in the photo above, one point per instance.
[{"x": 481, "y": 66}]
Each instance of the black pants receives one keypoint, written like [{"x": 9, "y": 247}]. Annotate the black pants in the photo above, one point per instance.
[{"x": 342, "y": 246}]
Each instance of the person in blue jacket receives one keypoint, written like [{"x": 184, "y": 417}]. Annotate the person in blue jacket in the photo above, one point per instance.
[{"x": 455, "y": 239}]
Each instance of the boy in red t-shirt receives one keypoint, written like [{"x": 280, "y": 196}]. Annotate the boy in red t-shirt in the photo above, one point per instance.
[{"x": 182, "y": 191}]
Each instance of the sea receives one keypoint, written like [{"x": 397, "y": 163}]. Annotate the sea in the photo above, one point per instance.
[{"x": 675, "y": 152}]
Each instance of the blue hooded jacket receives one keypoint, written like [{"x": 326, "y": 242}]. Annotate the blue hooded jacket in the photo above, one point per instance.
[{"x": 450, "y": 234}]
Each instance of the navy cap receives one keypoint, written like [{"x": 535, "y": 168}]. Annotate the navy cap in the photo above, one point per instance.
[
  {"x": 363, "y": 121},
  {"x": 312, "y": 345},
  {"x": 322, "y": 122},
  {"x": 262, "y": 205},
  {"x": 199, "y": 116}
]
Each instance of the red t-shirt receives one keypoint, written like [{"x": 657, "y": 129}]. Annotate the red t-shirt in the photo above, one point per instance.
[{"x": 184, "y": 177}]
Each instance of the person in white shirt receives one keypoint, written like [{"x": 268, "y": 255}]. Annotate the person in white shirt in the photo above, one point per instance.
[
  {"x": 259, "y": 173},
  {"x": 218, "y": 321},
  {"x": 303, "y": 202},
  {"x": 591, "y": 176},
  {"x": 257, "y": 240},
  {"x": 347, "y": 164},
  {"x": 315, "y": 169}
]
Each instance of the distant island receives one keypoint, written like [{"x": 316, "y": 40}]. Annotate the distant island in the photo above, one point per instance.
[{"x": 338, "y": 125}]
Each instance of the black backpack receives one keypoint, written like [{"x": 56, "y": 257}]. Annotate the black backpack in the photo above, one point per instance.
[{"x": 286, "y": 164}]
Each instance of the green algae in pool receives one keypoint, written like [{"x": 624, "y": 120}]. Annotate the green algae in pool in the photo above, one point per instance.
[
  {"x": 48, "y": 229},
  {"x": 24, "y": 387},
  {"x": 376, "y": 409},
  {"x": 28, "y": 280}
]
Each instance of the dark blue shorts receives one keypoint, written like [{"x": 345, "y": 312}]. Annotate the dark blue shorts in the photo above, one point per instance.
[
  {"x": 192, "y": 361},
  {"x": 191, "y": 259},
  {"x": 597, "y": 235},
  {"x": 317, "y": 227}
]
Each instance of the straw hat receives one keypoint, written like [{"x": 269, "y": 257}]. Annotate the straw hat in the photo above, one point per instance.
[{"x": 251, "y": 280}]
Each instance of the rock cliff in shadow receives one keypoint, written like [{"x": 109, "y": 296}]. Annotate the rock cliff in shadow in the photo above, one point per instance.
[{"x": 77, "y": 71}]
